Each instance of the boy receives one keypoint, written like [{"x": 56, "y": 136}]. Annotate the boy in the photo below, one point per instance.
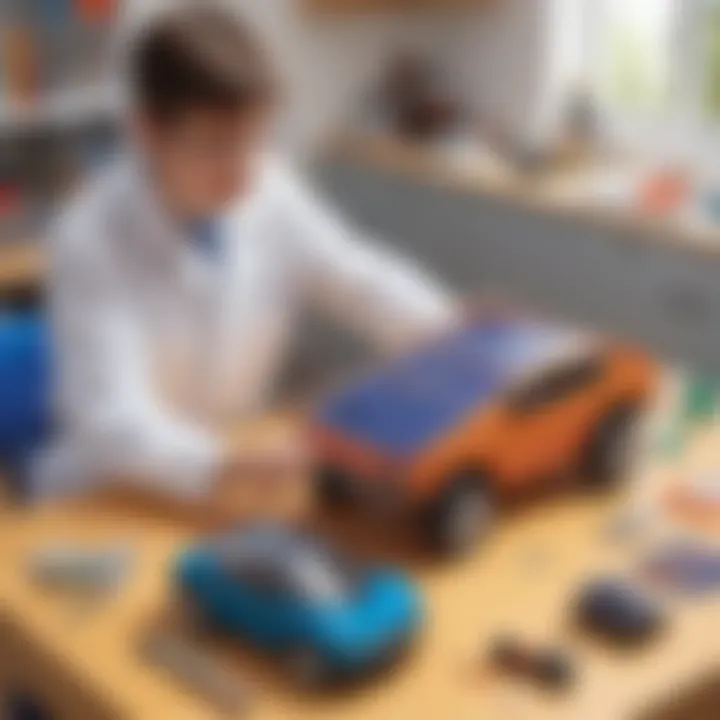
[{"x": 176, "y": 275}]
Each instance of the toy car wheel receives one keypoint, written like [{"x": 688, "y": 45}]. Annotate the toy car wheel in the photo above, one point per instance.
[
  {"x": 611, "y": 448},
  {"x": 308, "y": 670},
  {"x": 463, "y": 517},
  {"x": 333, "y": 488}
]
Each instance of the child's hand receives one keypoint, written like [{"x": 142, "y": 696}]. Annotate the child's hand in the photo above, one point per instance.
[
  {"x": 264, "y": 473},
  {"x": 267, "y": 456}
]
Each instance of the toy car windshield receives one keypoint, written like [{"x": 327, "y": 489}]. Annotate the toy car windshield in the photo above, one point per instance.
[
  {"x": 290, "y": 562},
  {"x": 318, "y": 579}
]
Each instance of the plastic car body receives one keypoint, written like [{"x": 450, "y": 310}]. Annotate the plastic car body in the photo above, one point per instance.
[
  {"x": 511, "y": 400},
  {"x": 287, "y": 592}
]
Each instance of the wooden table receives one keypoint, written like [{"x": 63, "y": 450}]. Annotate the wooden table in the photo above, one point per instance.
[
  {"x": 22, "y": 266},
  {"x": 87, "y": 665}
]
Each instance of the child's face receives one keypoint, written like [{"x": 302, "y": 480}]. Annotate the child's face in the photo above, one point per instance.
[{"x": 206, "y": 159}]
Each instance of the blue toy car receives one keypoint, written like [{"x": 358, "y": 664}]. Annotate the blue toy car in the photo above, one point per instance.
[{"x": 289, "y": 593}]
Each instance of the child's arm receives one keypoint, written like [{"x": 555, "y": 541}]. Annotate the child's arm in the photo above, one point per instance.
[
  {"x": 113, "y": 423},
  {"x": 362, "y": 283}
]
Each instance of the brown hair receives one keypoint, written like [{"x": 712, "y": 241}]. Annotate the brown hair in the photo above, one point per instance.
[{"x": 199, "y": 57}]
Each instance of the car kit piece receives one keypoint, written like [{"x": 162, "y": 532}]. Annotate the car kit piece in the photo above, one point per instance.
[
  {"x": 101, "y": 571},
  {"x": 684, "y": 568},
  {"x": 199, "y": 671},
  {"x": 616, "y": 610},
  {"x": 550, "y": 668}
]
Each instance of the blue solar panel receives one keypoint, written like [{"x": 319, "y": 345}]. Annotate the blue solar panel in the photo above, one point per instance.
[{"x": 419, "y": 398}]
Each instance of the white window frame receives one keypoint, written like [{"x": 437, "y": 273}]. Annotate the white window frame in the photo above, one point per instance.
[{"x": 683, "y": 134}]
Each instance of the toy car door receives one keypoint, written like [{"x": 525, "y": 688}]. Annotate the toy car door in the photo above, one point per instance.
[
  {"x": 580, "y": 405},
  {"x": 542, "y": 419}
]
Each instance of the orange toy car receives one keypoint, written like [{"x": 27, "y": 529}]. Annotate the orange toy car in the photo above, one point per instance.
[{"x": 490, "y": 413}]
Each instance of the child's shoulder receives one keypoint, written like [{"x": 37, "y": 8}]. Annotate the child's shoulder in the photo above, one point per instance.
[
  {"x": 280, "y": 177},
  {"x": 99, "y": 197},
  {"x": 85, "y": 222}
]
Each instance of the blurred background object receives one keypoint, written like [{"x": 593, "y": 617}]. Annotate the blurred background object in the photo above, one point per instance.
[
  {"x": 413, "y": 102},
  {"x": 550, "y": 668},
  {"x": 57, "y": 108}
]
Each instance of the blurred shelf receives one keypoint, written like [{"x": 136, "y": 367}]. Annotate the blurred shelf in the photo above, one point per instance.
[
  {"x": 63, "y": 108},
  {"x": 562, "y": 194}
]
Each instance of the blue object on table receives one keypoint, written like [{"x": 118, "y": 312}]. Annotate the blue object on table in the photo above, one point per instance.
[
  {"x": 288, "y": 592},
  {"x": 25, "y": 388}
]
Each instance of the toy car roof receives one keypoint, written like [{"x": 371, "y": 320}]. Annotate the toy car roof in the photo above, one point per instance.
[
  {"x": 269, "y": 542},
  {"x": 400, "y": 410},
  {"x": 296, "y": 559},
  {"x": 273, "y": 544}
]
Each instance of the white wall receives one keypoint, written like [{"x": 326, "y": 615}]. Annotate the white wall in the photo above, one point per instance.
[
  {"x": 513, "y": 62},
  {"x": 328, "y": 66},
  {"x": 495, "y": 61},
  {"x": 566, "y": 57}
]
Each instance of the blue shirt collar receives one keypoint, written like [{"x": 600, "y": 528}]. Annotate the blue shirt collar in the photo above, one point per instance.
[{"x": 206, "y": 237}]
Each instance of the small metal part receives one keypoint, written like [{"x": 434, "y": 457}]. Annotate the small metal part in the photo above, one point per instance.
[
  {"x": 100, "y": 571},
  {"x": 204, "y": 675},
  {"x": 550, "y": 668}
]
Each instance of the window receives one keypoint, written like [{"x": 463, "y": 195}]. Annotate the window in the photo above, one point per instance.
[
  {"x": 655, "y": 66},
  {"x": 712, "y": 76},
  {"x": 556, "y": 385},
  {"x": 636, "y": 42}
]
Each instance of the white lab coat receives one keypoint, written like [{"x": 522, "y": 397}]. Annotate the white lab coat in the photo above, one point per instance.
[{"x": 155, "y": 341}]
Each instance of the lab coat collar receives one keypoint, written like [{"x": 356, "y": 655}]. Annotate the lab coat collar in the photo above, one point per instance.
[{"x": 168, "y": 236}]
